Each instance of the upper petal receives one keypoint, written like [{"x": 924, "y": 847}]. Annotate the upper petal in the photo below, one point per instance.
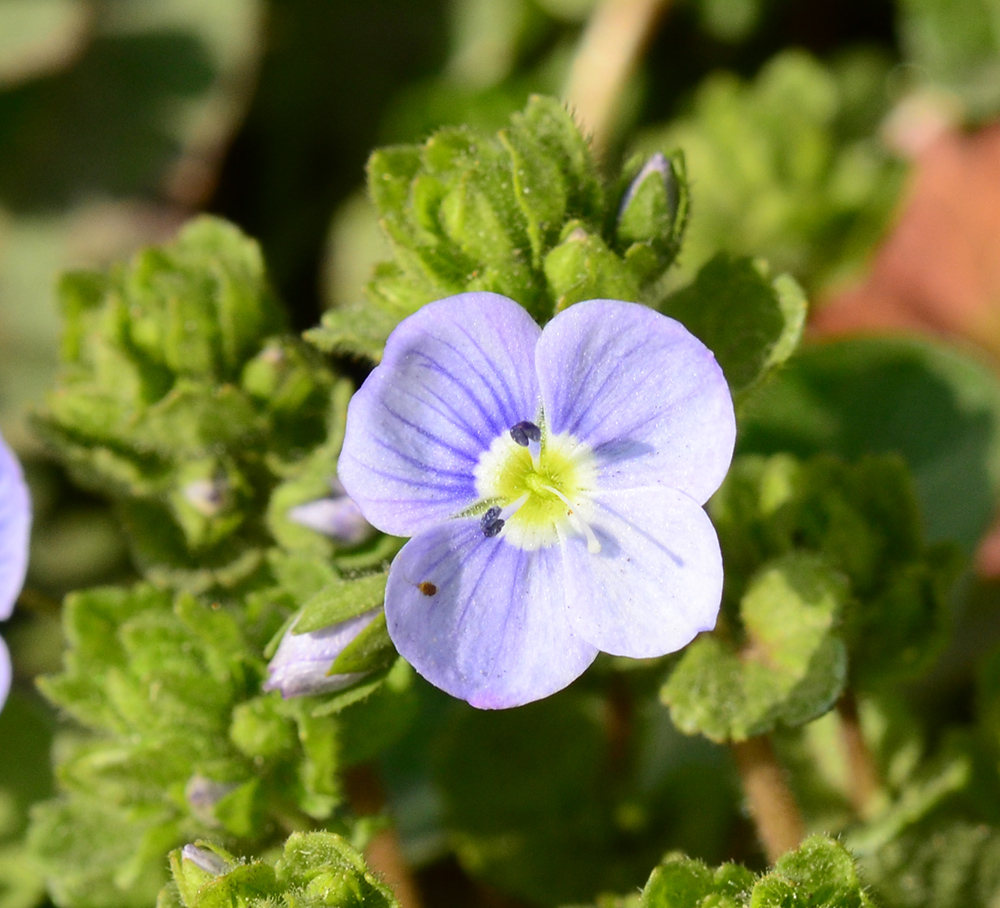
[
  {"x": 482, "y": 619},
  {"x": 15, "y": 529},
  {"x": 657, "y": 580},
  {"x": 455, "y": 375},
  {"x": 643, "y": 392}
]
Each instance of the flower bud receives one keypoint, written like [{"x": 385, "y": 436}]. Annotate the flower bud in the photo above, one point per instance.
[
  {"x": 204, "y": 859},
  {"x": 652, "y": 215},
  {"x": 337, "y": 516},
  {"x": 301, "y": 666}
]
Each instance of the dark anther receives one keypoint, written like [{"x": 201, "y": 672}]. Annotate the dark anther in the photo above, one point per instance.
[
  {"x": 525, "y": 431},
  {"x": 491, "y": 523},
  {"x": 491, "y": 529}
]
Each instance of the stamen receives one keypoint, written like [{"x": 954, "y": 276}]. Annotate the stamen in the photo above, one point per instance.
[
  {"x": 525, "y": 431},
  {"x": 491, "y": 529},
  {"x": 491, "y": 523},
  {"x": 577, "y": 522}
]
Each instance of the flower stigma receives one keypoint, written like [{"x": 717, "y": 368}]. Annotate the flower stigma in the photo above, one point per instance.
[{"x": 537, "y": 490}]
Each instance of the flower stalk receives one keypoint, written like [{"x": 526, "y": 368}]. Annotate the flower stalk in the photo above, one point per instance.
[
  {"x": 863, "y": 779},
  {"x": 772, "y": 805},
  {"x": 612, "y": 43}
]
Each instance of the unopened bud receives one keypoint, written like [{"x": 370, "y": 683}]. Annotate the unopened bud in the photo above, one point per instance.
[
  {"x": 203, "y": 794},
  {"x": 302, "y": 663},
  {"x": 336, "y": 516},
  {"x": 652, "y": 215},
  {"x": 204, "y": 859},
  {"x": 206, "y": 496}
]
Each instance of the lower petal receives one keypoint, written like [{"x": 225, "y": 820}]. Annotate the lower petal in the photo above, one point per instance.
[
  {"x": 657, "y": 580},
  {"x": 482, "y": 619}
]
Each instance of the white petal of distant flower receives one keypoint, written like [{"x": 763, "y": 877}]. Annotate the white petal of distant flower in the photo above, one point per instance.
[
  {"x": 455, "y": 375},
  {"x": 496, "y": 630},
  {"x": 643, "y": 392},
  {"x": 15, "y": 530},
  {"x": 657, "y": 580},
  {"x": 5, "y": 673}
]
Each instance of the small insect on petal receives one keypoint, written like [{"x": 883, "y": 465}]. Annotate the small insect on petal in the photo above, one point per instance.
[
  {"x": 524, "y": 432},
  {"x": 427, "y": 588}
]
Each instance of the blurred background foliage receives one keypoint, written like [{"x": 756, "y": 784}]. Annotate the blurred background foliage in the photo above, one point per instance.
[{"x": 805, "y": 127}]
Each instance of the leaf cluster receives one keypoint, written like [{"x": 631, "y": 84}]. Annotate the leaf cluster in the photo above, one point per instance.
[
  {"x": 181, "y": 399},
  {"x": 314, "y": 870},
  {"x": 828, "y": 579},
  {"x": 523, "y": 213}
]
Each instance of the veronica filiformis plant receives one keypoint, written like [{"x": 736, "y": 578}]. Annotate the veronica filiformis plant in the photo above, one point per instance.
[{"x": 552, "y": 483}]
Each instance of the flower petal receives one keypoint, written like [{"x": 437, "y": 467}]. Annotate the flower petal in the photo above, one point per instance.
[
  {"x": 15, "y": 530},
  {"x": 657, "y": 580},
  {"x": 5, "y": 673},
  {"x": 302, "y": 663},
  {"x": 643, "y": 392},
  {"x": 455, "y": 375},
  {"x": 481, "y": 619}
]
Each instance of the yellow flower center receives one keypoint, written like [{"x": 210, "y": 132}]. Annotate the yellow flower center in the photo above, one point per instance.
[{"x": 541, "y": 488}]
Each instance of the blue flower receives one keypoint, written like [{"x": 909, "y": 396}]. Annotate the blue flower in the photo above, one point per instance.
[
  {"x": 15, "y": 528},
  {"x": 552, "y": 483}
]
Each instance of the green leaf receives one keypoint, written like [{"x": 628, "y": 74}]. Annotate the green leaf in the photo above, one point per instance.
[
  {"x": 864, "y": 522},
  {"x": 940, "y": 862},
  {"x": 750, "y": 321},
  {"x": 936, "y": 407},
  {"x": 790, "y": 669},
  {"x": 468, "y": 211},
  {"x": 369, "y": 651},
  {"x": 785, "y": 167},
  {"x": 317, "y": 869},
  {"x": 341, "y": 600},
  {"x": 680, "y": 882},
  {"x": 582, "y": 267},
  {"x": 819, "y": 874}
]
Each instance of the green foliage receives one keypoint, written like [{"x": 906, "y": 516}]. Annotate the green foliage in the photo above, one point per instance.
[
  {"x": 937, "y": 864},
  {"x": 522, "y": 213},
  {"x": 177, "y": 400},
  {"x": 751, "y": 322},
  {"x": 182, "y": 743},
  {"x": 540, "y": 802},
  {"x": 819, "y": 874},
  {"x": 792, "y": 664},
  {"x": 315, "y": 870},
  {"x": 935, "y": 406},
  {"x": 786, "y": 167},
  {"x": 827, "y": 572},
  {"x": 955, "y": 47}
]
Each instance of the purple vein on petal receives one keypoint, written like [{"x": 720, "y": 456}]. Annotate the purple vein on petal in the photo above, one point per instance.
[
  {"x": 420, "y": 430},
  {"x": 434, "y": 366},
  {"x": 513, "y": 411},
  {"x": 452, "y": 416}
]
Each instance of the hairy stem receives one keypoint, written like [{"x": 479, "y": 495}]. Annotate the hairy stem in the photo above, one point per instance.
[
  {"x": 864, "y": 783},
  {"x": 772, "y": 805},
  {"x": 612, "y": 42},
  {"x": 383, "y": 854}
]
